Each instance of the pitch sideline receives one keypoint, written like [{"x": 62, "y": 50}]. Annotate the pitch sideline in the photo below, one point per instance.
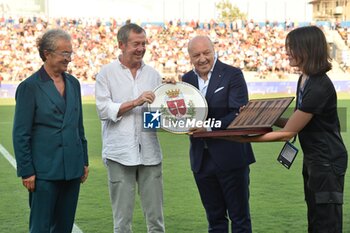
[{"x": 12, "y": 161}]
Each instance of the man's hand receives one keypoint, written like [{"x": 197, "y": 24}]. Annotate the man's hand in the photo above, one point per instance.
[
  {"x": 147, "y": 96},
  {"x": 86, "y": 173},
  {"x": 169, "y": 80},
  {"x": 241, "y": 108},
  {"x": 29, "y": 183},
  {"x": 196, "y": 130}
]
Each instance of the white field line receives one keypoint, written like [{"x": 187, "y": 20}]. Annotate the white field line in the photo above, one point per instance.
[
  {"x": 8, "y": 156},
  {"x": 12, "y": 161},
  {"x": 76, "y": 229}
]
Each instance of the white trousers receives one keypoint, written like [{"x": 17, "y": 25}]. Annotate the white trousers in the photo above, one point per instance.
[{"x": 122, "y": 189}]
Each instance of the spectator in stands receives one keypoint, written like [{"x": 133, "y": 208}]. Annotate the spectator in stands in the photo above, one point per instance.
[
  {"x": 95, "y": 44},
  {"x": 94, "y": 39}
]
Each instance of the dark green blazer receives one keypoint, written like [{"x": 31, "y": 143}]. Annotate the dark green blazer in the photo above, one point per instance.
[{"x": 48, "y": 133}]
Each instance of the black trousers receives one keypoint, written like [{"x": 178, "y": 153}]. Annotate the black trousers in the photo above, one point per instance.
[
  {"x": 323, "y": 187},
  {"x": 225, "y": 196}
]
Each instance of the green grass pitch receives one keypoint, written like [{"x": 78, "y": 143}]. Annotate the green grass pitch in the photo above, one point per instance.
[{"x": 276, "y": 194}]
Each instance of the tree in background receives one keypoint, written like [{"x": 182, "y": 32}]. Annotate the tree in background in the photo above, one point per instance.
[{"x": 228, "y": 11}]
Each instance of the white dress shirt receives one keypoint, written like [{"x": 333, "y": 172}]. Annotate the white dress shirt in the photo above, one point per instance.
[
  {"x": 203, "y": 84},
  {"x": 123, "y": 138}
]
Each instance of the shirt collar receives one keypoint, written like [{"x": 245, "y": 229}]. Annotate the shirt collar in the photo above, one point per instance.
[
  {"x": 45, "y": 76},
  {"x": 125, "y": 67}
]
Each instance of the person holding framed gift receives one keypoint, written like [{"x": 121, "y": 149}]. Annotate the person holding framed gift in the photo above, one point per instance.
[
  {"x": 315, "y": 121},
  {"x": 220, "y": 167},
  {"x": 131, "y": 154}
]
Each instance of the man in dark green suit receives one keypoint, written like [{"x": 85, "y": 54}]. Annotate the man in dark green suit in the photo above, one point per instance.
[{"x": 48, "y": 137}]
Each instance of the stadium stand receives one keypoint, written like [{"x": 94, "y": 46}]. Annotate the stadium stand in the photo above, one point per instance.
[{"x": 254, "y": 47}]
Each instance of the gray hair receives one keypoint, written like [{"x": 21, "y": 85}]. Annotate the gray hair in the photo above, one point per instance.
[
  {"x": 49, "y": 39},
  {"x": 124, "y": 32}
]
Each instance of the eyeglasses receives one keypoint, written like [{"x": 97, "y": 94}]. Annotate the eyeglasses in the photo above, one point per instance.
[{"x": 64, "y": 54}]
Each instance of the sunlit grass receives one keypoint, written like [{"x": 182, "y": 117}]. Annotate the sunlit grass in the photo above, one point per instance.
[{"x": 276, "y": 197}]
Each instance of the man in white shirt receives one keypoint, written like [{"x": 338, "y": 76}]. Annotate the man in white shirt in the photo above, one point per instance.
[{"x": 131, "y": 154}]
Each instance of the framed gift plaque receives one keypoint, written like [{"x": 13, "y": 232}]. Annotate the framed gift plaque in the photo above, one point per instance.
[
  {"x": 261, "y": 113},
  {"x": 179, "y": 107},
  {"x": 257, "y": 117}
]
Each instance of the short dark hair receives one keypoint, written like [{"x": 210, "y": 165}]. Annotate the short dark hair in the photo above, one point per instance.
[
  {"x": 308, "y": 46},
  {"x": 124, "y": 32},
  {"x": 48, "y": 41}
]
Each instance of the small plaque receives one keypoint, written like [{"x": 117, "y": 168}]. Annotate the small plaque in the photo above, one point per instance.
[
  {"x": 256, "y": 118},
  {"x": 261, "y": 113},
  {"x": 180, "y": 106}
]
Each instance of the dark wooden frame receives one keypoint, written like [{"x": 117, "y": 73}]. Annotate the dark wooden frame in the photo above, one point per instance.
[{"x": 256, "y": 118}]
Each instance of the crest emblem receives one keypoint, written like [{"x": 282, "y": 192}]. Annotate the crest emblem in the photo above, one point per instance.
[
  {"x": 181, "y": 105},
  {"x": 176, "y": 103},
  {"x": 176, "y": 107}
]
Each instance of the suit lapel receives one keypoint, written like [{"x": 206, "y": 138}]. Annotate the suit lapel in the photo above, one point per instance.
[
  {"x": 70, "y": 100},
  {"x": 214, "y": 81},
  {"x": 48, "y": 87},
  {"x": 193, "y": 80}
]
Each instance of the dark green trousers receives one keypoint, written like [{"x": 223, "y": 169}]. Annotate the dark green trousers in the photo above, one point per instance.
[{"x": 53, "y": 205}]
